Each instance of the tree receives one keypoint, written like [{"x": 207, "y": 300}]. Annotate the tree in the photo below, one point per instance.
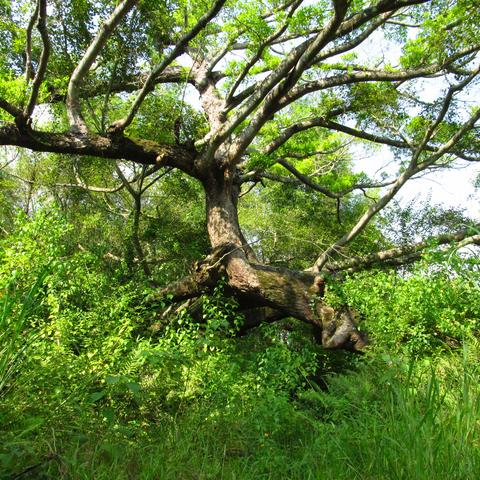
[{"x": 283, "y": 88}]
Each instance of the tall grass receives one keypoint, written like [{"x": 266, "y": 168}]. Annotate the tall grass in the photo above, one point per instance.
[
  {"x": 391, "y": 419},
  {"x": 16, "y": 307},
  {"x": 399, "y": 423}
]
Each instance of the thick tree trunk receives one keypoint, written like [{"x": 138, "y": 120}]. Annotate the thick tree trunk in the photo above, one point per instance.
[
  {"x": 221, "y": 193},
  {"x": 264, "y": 293},
  {"x": 223, "y": 229}
]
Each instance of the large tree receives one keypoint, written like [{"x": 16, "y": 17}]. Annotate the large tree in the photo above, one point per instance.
[{"x": 282, "y": 86}]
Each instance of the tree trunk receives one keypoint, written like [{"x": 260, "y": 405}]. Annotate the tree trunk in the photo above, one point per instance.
[
  {"x": 224, "y": 229},
  {"x": 264, "y": 293},
  {"x": 135, "y": 235}
]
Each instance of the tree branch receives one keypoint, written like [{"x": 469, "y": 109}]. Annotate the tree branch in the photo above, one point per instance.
[
  {"x": 42, "y": 64},
  {"x": 277, "y": 96},
  {"x": 179, "y": 48},
  {"x": 412, "y": 169},
  {"x": 443, "y": 111},
  {"x": 306, "y": 180},
  {"x": 128, "y": 84},
  {"x": 345, "y": 47},
  {"x": 11, "y": 109},
  {"x": 82, "y": 185},
  {"x": 368, "y": 76},
  {"x": 155, "y": 180},
  {"x": 28, "y": 47},
  {"x": 377, "y": 138},
  {"x": 406, "y": 254},
  {"x": 346, "y": 27},
  {"x": 74, "y": 112},
  {"x": 268, "y": 41},
  {"x": 126, "y": 183},
  {"x": 277, "y": 83},
  {"x": 138, "y": 151},
  {"x": 297, "y": 128}
]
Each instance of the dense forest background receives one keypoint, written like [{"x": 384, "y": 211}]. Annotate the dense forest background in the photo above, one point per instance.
[{"x": 112, "y": 369}]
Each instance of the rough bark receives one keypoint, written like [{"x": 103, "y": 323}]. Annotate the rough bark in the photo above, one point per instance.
[
  {"x": 267, "y": 294},
  {"x": 115, "y": 147},
  {"x": 264, "y": 293}
]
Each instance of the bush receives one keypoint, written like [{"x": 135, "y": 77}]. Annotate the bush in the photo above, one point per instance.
[
  {"x": 94, "y": 392},
  {"x": 435, "y": 305}
]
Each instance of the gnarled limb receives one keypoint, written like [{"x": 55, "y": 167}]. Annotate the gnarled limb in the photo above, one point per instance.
[
  {"x": 339, "y": 329},
  {"x": 203, "y": 277},
  {"x": 138, "y": 151},
  {"x": 274, "y": 294},
  {"x": 255, "y": 286}
]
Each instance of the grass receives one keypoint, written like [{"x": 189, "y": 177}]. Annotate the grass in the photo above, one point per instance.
[
  {"x": 15, "y": 336},
  {"x": 391, "y": 419},
  {"x": 224, "y": 413}
]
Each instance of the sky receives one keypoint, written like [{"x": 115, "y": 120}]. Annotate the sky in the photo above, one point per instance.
[{"x": 450, "y": 188}]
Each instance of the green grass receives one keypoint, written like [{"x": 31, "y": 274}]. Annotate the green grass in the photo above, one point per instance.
[
  {"x": 82, "y": 398},
  {"x": 15, "y": 335},
  {"x": 390, "y": 419}
]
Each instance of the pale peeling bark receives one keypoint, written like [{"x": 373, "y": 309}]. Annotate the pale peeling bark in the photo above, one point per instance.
[
  {"x": 74, "y": 110},
  {"x": 179, "y": 48}
]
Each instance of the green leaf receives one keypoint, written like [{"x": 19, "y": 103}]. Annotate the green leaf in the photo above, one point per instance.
[{"x": 96, "y": 396}]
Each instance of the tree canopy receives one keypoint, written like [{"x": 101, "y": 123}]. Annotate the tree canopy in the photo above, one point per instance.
[{"x": 261, "y": 107}]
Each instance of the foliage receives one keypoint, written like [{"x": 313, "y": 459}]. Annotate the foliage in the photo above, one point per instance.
[
  {"x": 16, "y": 328},
  {"x": 401, "y": 223},
  {"x": 282, "y": 223},
  {"x": 85, "y": 358},
  {"x": 122, "y": 399},
  {"x": 434, "y": 305}
]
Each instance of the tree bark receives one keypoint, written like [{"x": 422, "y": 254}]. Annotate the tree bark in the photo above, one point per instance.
[
  {"x": 264, "y": 293},
  {"x": 135, "y": 235},
  {"x": 221, "y": 193}
]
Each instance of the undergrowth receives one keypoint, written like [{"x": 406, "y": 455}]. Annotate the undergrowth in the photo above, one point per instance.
[{"x": 88, "y": 390}]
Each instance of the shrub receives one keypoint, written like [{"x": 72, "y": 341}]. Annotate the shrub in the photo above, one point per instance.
[{"x": 434, "y": 305}]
